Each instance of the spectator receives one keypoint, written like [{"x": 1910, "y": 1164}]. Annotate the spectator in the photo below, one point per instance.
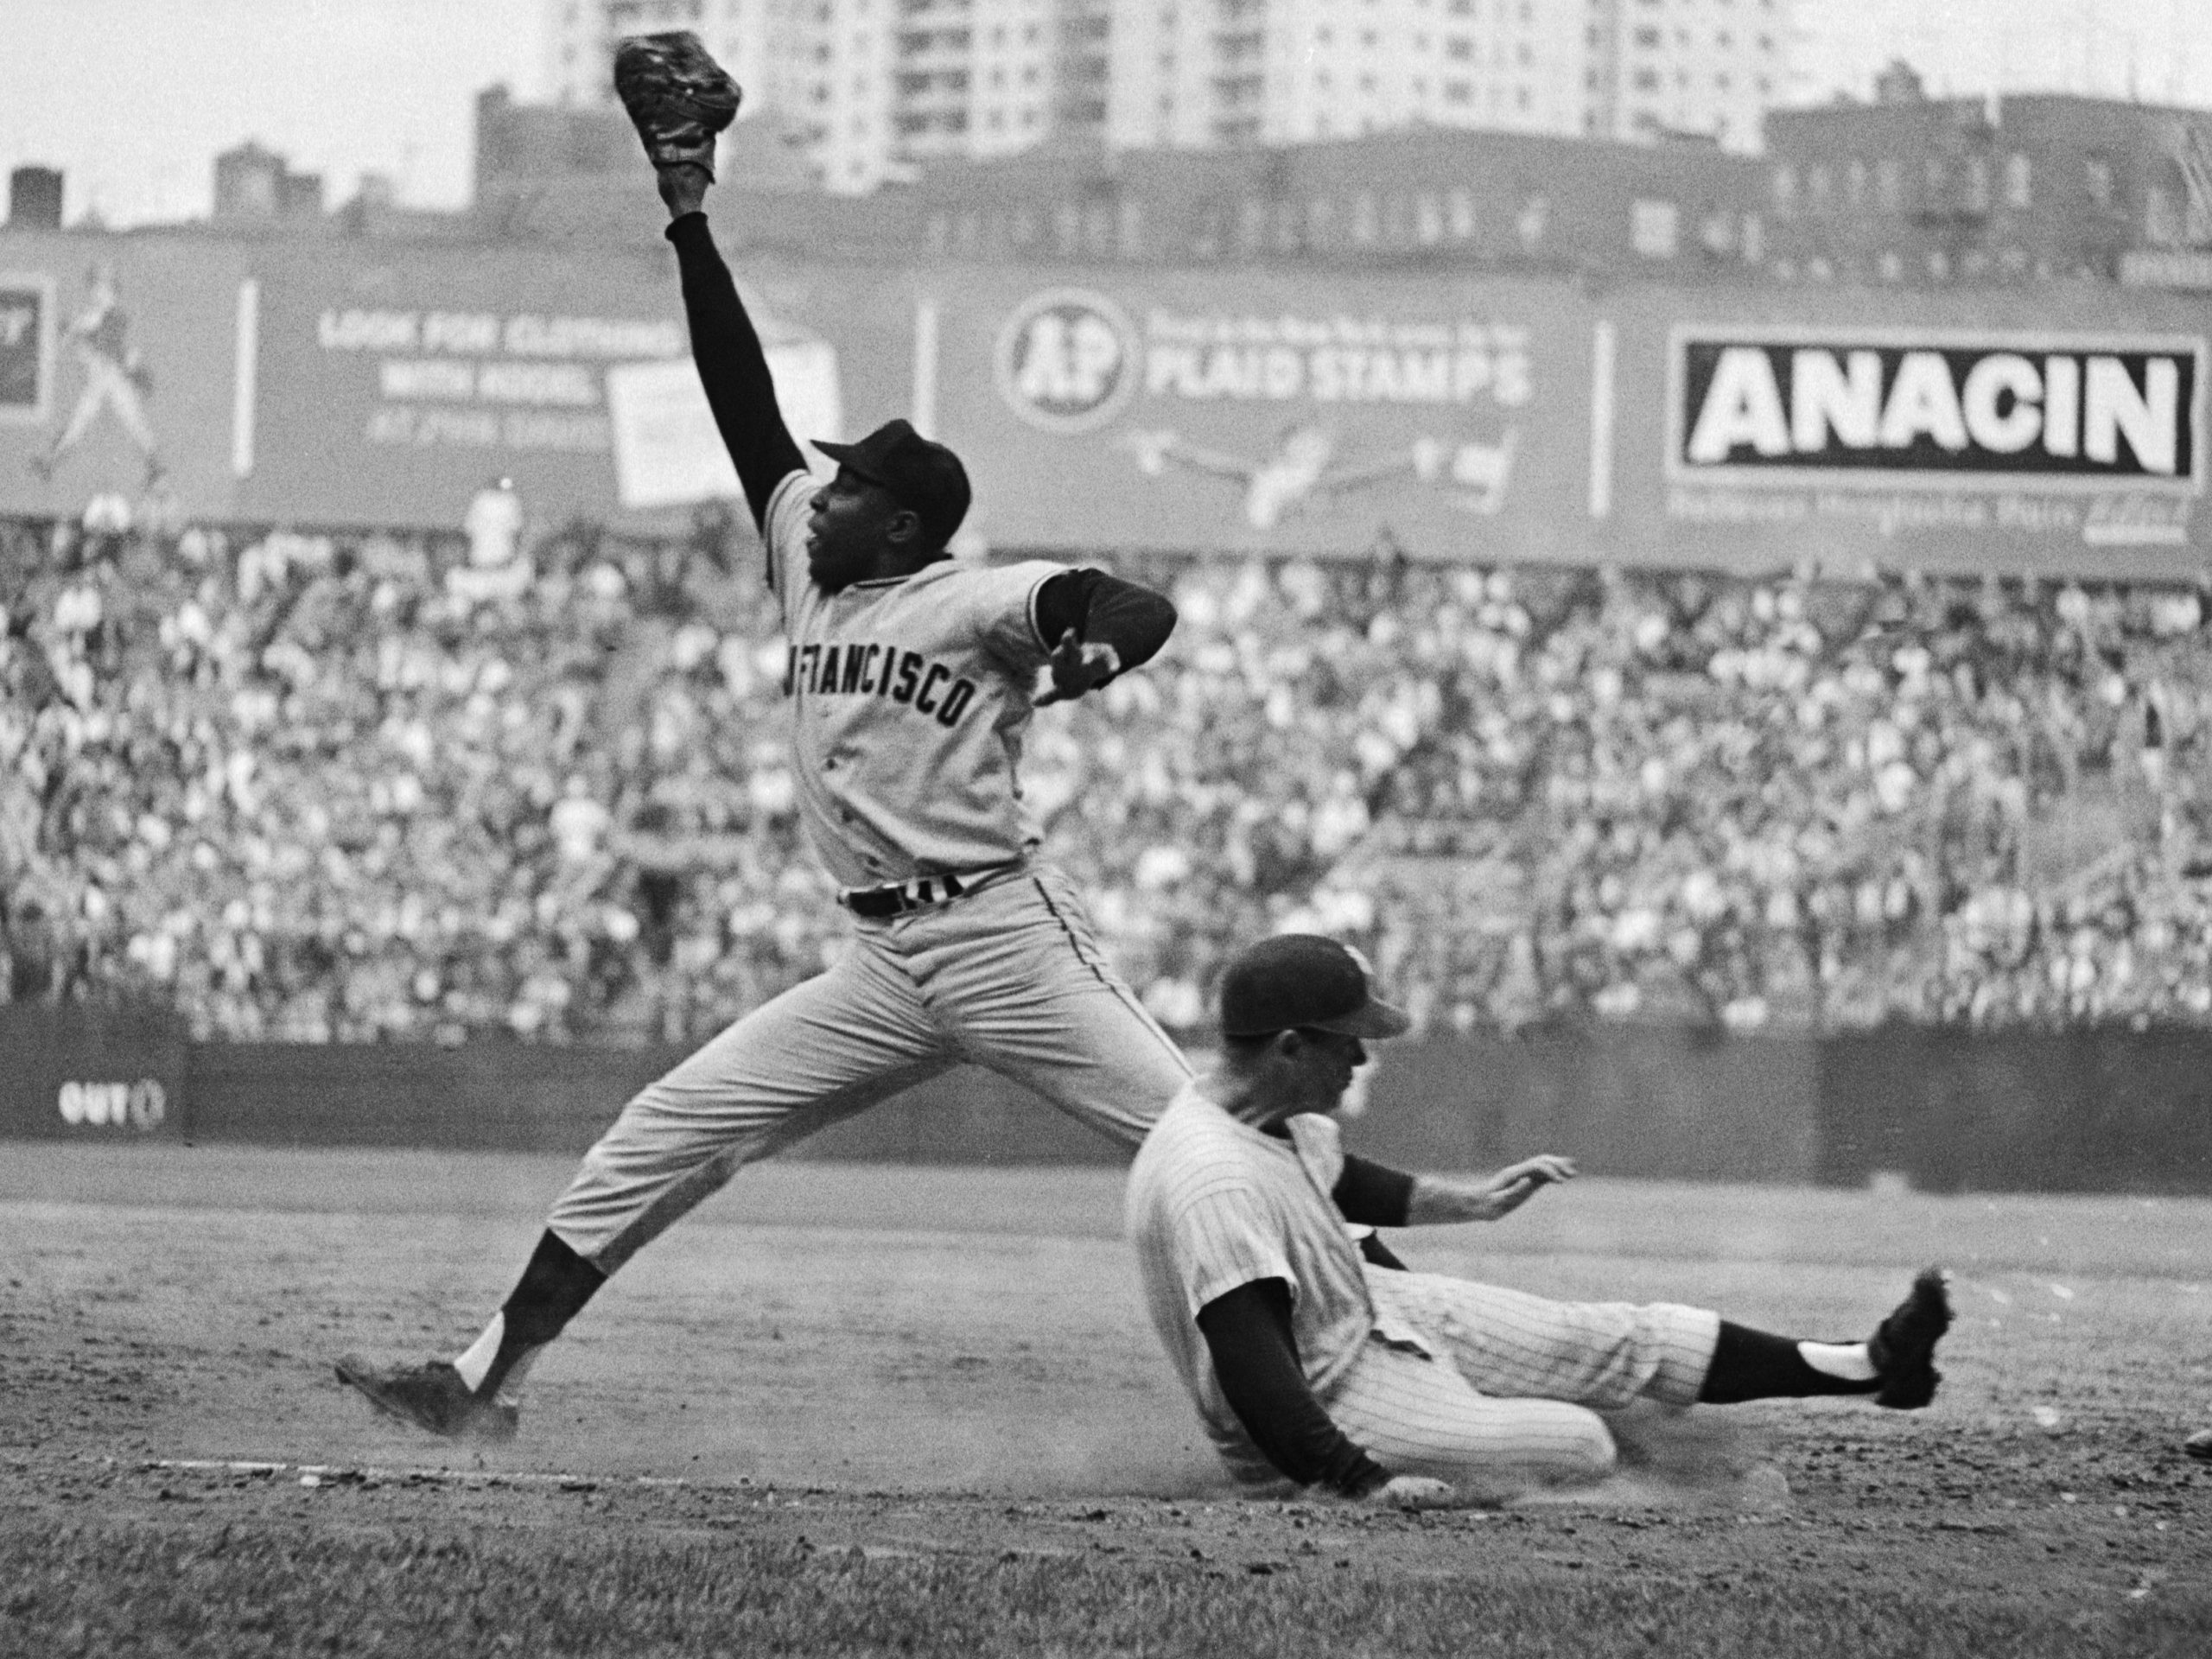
[{"x": 297, "y": 787}]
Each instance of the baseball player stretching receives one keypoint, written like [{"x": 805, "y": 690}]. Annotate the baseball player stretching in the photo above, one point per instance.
[
  {"x": 1319, "y": 1359},
  {"x": 911, "y": 680}
]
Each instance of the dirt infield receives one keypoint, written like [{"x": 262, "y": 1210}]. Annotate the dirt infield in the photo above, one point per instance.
[{"x": 901, "y": 1365}]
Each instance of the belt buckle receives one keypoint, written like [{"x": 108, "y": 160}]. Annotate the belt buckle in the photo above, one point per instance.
[
  {"x": 878, "y": 903},
  {"x": 920, "y": 893}
]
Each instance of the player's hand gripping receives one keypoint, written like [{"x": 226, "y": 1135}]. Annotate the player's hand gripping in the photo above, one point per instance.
[
  {"x": 1485, "y": 1197},
  {"x": 1078, "y": 666}
]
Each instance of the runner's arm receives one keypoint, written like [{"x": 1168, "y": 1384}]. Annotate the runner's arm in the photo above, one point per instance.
[{"x": 1247, "y": 1333}]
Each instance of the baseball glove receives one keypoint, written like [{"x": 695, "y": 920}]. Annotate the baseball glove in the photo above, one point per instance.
[{"x": 677, "y": 96}]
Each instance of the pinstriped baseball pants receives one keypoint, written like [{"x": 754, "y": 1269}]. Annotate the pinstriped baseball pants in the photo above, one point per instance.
[
  {"x": 1009, "y": 976},
  {"x": 1517, "y": 1381}
]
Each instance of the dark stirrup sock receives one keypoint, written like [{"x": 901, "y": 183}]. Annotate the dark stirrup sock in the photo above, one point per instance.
[
  {"x": 552, "y": 1290},
  {"x": 1749, "y": 1365}
]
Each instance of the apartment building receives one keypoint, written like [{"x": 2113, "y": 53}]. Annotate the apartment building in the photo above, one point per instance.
[
  {"x": 884, "y": 87},
  {"x": 2028, "y": 186},
  {"x": 1706, "y": 67}
]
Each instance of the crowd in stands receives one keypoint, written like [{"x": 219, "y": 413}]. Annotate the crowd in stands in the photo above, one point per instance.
[{"x": 309, "y": 787}]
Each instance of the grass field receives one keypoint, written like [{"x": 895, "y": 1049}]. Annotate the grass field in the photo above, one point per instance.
[{"x": 847, "y": 1410}]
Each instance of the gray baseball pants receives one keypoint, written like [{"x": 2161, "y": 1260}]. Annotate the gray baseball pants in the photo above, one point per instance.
[{"x": 1009, "y": 976}]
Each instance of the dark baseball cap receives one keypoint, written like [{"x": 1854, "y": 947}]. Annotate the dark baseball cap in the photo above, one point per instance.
[
  {"x": 926, "y": 477},
  {"x": 1303, "y": 980}
]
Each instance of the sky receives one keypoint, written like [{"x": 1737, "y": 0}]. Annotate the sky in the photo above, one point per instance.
[{"x": 134, "y": 98}]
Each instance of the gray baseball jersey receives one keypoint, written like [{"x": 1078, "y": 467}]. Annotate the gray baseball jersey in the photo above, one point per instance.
[{"x": 909, "y": 700}]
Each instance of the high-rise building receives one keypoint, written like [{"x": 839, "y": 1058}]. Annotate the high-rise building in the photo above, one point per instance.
[
  {"x": 1203, "y": 72},
  {"x": 1660, "y": 68},
  {"x": 882, "y": 87}
]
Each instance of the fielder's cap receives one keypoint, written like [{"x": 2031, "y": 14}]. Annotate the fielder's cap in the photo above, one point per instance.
[
  {"x": 926, "y": 477},
  {"x": 1303, "y": 980}
]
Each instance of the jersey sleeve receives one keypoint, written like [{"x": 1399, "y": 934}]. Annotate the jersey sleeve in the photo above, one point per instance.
[
  {"x": 1254, "y": 1355},
  {"x": 1373, "y": 1194},
  {"x": 785, "y": 534},
  {"x": 1223, "y": 1236},
  {"x": 1001, "y": 601},
  {"x": 1105, "y": 610}
]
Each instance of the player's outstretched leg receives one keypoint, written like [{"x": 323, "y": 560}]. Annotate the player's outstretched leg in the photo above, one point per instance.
[
  {"x": 465, "y": 1398},
  {"x": 1895, "y": 1365},
  {"x": 823, "y": 1050}
]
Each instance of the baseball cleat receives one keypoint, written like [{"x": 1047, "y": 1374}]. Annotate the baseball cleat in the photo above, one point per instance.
[
  {"x": 431, "y": 1396},
  {"x": 1903, "y": 1346},
  {"x": 2199, "y": 1445}
]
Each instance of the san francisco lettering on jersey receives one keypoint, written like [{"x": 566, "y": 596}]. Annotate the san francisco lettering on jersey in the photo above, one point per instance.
[{"x": 868, "y": 668}]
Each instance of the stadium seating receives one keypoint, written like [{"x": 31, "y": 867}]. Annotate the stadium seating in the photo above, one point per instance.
[{"x": 295, "y": 787}]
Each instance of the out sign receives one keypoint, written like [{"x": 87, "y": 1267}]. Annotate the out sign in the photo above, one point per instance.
[
  {"x": 140, "y": 1105},
  {"x": 1067, "y": 360}
]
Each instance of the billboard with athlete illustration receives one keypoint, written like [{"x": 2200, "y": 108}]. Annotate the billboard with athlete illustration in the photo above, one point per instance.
[
  {"x": 1272, "y": 412},
  {"x": 115, "y": 360},
  {"x": 328, "y": 384}
]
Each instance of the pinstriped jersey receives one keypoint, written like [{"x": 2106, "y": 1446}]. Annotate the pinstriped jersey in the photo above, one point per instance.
[
  {"x": 909, "y": 698},
  {"x": 1213, "y": 1204}
]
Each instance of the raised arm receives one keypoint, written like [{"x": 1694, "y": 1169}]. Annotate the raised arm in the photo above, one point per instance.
[{"x": 732, "y": 368}]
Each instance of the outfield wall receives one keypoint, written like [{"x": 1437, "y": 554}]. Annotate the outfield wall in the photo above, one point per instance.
[
  {"x": 2057, "y": 429},
  {"x": 2090, "y": 1111}
]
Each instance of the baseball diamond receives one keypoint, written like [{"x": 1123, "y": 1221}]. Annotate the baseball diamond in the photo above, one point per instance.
[
  {"x": 769, "y": 1442},
  {"x": 1591, "y": 1033}
]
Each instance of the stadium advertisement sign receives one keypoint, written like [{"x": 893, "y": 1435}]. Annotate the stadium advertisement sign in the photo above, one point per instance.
[
  {"x": 1270, "y": 412},
  {"x": 329, "y": 383},
  {"x": 2037, "y": 445},
  {"x": 116, "y": 368},
  {"x": 322, "y": 383},
  {"x": 394, "y": 393}
]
